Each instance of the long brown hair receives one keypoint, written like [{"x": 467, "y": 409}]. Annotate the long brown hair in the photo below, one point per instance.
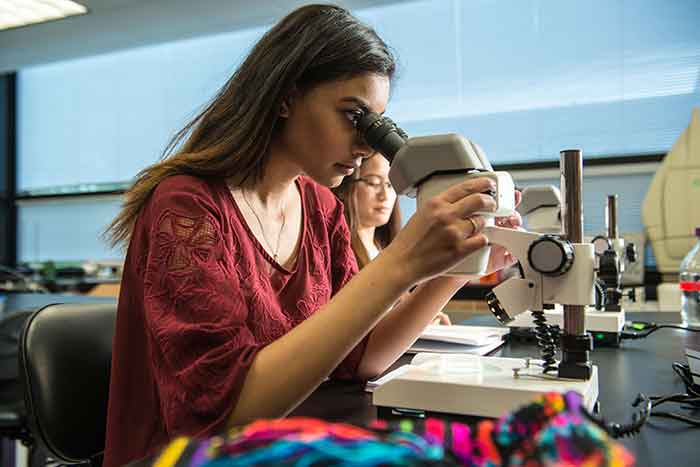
[
  {"x": 383, "y": 234},
  {"x": 231, "y": 137}
]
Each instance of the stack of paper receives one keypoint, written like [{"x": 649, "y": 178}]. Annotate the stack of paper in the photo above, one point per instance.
[{"x": 478, "y": 340}]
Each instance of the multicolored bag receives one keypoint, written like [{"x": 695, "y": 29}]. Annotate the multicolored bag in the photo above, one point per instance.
[{"x": 551, "y": 431}]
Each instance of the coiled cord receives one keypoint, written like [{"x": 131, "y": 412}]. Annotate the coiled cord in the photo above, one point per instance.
[
  {"x": 547, "y": 338},
  {"x": 618, "y": 430},
  {"x": 688, "y": 400},
  {"x": 649, "y": 404}
]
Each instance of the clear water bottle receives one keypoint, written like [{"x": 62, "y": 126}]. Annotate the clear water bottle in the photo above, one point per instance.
[{"x": 690, "y": 284}]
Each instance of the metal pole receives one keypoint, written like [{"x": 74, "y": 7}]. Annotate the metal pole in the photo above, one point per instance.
[
  {"x": 611, "y": 217},
  {"x": 571, "y": 165}
]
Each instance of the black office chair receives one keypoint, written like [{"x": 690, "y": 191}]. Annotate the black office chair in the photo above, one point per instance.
[
  {"x": 65, "y": 358},
  {"x": 13, "y": 424}
]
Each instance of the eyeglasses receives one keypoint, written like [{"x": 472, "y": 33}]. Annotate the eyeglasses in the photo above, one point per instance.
[{"x": 376, "y": 182}]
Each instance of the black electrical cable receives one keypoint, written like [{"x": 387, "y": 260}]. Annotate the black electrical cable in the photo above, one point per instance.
[
  {"x": 618, "y": 430},
  {"x": 683, "y": 372},
  {"x": 653, "y": 327},
  {"x": 691, "y": 398}
]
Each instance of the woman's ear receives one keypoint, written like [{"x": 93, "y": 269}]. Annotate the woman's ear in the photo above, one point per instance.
[{"x": 285, "y": 108}]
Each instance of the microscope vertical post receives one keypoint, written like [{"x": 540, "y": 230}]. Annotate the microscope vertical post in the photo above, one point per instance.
[
  {"x": 611, "y": 217},
  {"x": 575, "y": 342}
]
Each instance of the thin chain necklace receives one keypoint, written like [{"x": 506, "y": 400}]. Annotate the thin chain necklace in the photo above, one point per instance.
[{"x": 275, "y": 252}]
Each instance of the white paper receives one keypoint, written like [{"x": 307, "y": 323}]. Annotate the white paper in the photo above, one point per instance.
[
  {"x": 448, "y": 347},
  {"x": 469, "y": 335}
]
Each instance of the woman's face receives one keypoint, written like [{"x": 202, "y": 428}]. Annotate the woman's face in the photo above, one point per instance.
[
  {"x": 317, "y": 131},
  {"x": 374, "y": 195}
]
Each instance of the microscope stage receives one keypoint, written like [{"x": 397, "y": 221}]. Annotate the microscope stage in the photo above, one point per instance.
[{"x": 488, "y": 389}]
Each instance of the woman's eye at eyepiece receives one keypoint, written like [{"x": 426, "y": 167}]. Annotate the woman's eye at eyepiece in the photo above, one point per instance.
[{"x": 354, "y": 116}]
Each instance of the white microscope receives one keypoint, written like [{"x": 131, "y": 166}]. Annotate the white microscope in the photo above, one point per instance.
[
  {"x": 554, "y": 270},
  {"x": 605, "y": 321}
]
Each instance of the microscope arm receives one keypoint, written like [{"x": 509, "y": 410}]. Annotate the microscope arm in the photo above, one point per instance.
[
  {"x": 553, "y": 270},
  {"x": 515, "y": 295}
]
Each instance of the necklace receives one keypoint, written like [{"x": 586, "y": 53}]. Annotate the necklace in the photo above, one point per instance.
[{"x": 275, "y": 252}]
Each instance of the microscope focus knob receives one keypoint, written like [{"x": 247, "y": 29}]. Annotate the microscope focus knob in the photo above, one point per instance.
[{"x": 551, "y": 255}]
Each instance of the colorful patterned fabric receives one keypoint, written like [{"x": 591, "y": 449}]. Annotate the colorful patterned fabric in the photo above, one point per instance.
[{"x": 550, "y": 432}]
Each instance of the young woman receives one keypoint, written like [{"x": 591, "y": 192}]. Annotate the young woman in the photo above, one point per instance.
[
  {"x": 240, "y": 291},
  {"x": 371, "y": 208},
  {"x": 372, "y": 212}
]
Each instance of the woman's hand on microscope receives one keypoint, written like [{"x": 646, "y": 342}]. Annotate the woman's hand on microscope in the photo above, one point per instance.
[
  {"x": 443, "y": 231},
  {"x": 501, "y": 258}
]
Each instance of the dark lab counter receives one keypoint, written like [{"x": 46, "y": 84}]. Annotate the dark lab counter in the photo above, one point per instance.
[{"x": 642, "y": 365}]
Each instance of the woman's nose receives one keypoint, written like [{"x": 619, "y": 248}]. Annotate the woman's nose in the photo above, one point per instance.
[{"x": 362, "y": 149}]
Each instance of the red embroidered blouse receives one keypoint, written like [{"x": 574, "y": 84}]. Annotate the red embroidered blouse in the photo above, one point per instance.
[{"x": 200, "y": 297}]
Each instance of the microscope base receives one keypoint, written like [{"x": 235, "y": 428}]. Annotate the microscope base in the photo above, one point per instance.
[
  {"x": 605, "y": 326},
  {"x": 490, "y": 392}
]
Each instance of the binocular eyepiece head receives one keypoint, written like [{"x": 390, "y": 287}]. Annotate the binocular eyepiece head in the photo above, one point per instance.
[{"x": 381, "y": 134}]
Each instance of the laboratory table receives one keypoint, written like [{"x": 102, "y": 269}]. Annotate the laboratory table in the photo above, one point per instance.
[{"x": 642, "y": 365}]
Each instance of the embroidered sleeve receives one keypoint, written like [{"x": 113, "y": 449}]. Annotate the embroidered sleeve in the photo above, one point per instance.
[
  {"x": 343, "y": 268},
  {"x": 201, "y": 346}
]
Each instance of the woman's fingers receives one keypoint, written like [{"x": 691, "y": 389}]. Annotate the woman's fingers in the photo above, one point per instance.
[
  {"x": 474, "y": 225},
  {"x": 475, "y": 185},
  {"x": 445, "y": 229},
  {"x": 512, "y": 222},
  {"x": 476, "y": 202},
  {"x": 473, "y": 243}
]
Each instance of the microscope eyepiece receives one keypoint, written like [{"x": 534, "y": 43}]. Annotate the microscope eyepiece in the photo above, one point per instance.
[{"x": 381, "y": 134}]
